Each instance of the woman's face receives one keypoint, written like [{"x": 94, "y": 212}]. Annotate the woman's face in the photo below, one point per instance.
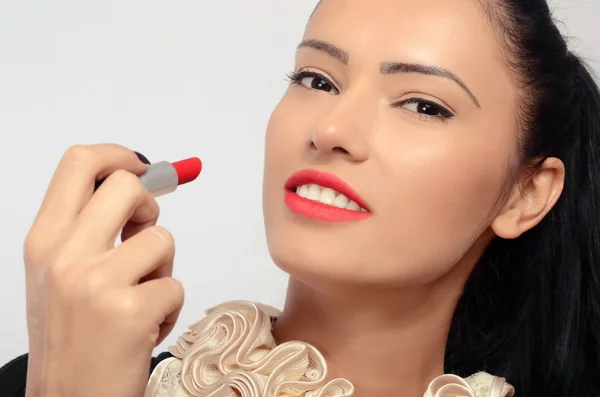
[{"x": 412, "y": 107}]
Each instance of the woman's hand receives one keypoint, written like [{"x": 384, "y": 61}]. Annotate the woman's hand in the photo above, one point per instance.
[{"x": 95, "y": 312}]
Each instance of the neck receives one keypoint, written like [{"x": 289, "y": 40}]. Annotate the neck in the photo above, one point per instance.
[{"x": 383, "y": 341}]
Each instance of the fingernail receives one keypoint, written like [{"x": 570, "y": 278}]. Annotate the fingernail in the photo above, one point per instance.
[{"x": 142, "y": 158}]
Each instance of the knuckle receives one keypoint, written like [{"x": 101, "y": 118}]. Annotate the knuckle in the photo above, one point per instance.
[
  {"x": 96, "y": 281},
  {"x": 155, "y": 208},
  {"x": 165, "y": 237},
  {"x": 33, "y": 248},
  {"x": 58, "y": 277},
  {"x": 127, "y": 180},
  {"x": 78, "y": 154},
  {"x": 123, "y": 176},
  {"x": 55, "y": 274},
  {"x": 71, "y": 282},
  {"x": 114, "y": 305},
  {"x": 126, "y": 306},
  {"x": 178, "y": 290}
]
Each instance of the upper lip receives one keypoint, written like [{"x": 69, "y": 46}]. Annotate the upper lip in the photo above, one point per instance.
[{"x": 325, "y": 179}]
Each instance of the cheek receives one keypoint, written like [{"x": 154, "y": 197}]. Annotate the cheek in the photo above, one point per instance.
[
  {"x": 283, "y": 141},
  {"x": 280, "y": 143},
  {"x": 444, "y": 193},
  {"x": 287, "y": 130},
  {"x": 433, "y": 189}
]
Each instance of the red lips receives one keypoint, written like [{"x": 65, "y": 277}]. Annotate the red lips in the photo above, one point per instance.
[{"x": 316, "y": 210}]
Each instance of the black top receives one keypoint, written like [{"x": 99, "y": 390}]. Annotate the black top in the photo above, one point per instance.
[{"x": 13, "y": 376}]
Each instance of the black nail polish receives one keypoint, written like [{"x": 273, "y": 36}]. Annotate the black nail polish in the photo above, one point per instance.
[{"x": 140, "y": 156}]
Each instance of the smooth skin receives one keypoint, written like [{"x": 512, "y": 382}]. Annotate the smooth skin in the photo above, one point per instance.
[
  {"x": 95, "y": 312},
  {"x": 376, "y": 296}
]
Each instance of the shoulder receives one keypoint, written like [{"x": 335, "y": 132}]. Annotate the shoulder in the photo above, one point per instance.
[{"x": 13, "y": 375}]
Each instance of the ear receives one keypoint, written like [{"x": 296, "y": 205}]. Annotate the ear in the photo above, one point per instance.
[{"x": 530, "y": 200}]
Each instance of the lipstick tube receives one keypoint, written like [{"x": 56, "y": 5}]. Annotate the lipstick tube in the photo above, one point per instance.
[{"x": 164, "y": 177}]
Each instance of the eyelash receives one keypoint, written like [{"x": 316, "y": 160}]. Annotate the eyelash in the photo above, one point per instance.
[
  {"x": 296, "y": 78},
  {"x": 444, "y": 115}
]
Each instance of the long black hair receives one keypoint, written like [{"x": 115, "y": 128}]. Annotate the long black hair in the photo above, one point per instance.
[{"x": 531, "y": 309}]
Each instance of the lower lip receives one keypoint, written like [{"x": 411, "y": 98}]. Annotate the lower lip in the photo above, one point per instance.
[{"x": 322, "y": 212}]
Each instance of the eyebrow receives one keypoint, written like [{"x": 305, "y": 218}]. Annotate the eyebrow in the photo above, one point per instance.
[
  {"x": 327, "y": 48},
  {"x": 388, "y": 68},
  {"x": 398, "y": 67}
]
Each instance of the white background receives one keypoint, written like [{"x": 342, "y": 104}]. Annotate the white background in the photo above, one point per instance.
[{"x": 171, "y": 79}]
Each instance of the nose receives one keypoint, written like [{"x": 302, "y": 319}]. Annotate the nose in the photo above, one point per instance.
[{"x": 340, "y": 132}]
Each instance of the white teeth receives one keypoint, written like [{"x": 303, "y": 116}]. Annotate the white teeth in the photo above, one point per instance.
[
  {"x": 314, "y": 192},
  {"x": 327, "y": 196},
  {"x": 353, "y": 206},
  {"x": 302, "y": 191},
  {"x": 341, "y": 201}
]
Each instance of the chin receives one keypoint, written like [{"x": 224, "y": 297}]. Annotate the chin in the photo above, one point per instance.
[
  {"x": 327, "y": 254},
  {"x": 310, "y": 264},
  {"x": 313, "y": 250},
  {"x": 325, "y": 262}
]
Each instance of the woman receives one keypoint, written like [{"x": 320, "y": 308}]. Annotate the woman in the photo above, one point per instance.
[{"x": 466, "y": 245}]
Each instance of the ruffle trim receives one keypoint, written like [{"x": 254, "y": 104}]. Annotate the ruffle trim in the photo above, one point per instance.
[
  {"x": 480, "y": 384},
  {"x": 232, "y": 353}
]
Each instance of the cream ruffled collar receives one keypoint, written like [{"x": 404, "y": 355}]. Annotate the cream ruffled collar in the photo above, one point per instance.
[{"x": 232, "y": 353}]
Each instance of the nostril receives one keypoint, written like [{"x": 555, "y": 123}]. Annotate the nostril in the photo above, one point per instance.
[
  {"x": 325, "y": 147},
  {"x": 341, "y": 150}
]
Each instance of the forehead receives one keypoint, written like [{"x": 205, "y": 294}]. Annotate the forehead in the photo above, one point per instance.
[
  {"x": 453, "y": 34},
  {"x": 390, "y": 26},
  {"x": 461, "y": 17}
]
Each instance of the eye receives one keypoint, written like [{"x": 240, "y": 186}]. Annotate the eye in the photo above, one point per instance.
[
  {"x": 313, "y": 81},
  {"x": 425, "y": 109}
]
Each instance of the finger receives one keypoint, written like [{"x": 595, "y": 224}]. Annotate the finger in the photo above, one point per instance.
[
  {"x": 73, "y": 181},
  {"x": 133, "y": 228},
  {"x": 122, "y": 198},
  {"x": 166, "y": 297},
  {"x": 140, "y": 156},
  {"x": 149, "y": 252}
]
